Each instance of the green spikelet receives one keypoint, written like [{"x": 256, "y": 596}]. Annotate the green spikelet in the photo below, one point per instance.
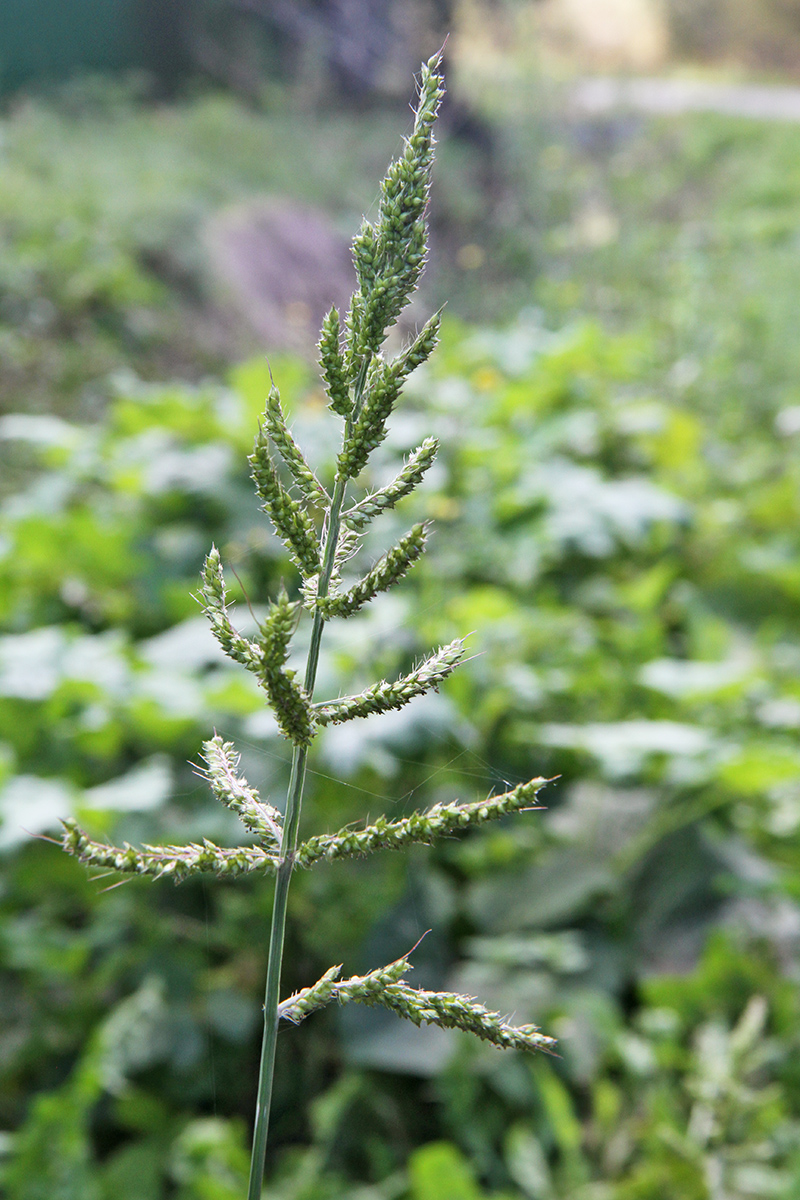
[
  {"x": 288, "y": 698},
  {"x": 361, "y": 514},
  {"x": 293, "y": 525},
  {"x": 310, "y": 487},
  {"x": 383, "y": 696},
  {"x": 383, "y": 387},
  {"x": 212, "y": 593},
  {"x": 334, "y": 370},
  {"x": 387, "y": 571},
  {"x": 365, "y": 251}
]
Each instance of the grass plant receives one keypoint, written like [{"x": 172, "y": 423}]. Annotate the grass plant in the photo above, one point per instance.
[{"x": 322, "y": 523}]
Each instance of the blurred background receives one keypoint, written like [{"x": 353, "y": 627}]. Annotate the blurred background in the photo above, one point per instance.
[{"x": 617, "y": 503}]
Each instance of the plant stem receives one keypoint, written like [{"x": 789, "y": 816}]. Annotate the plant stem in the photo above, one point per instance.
[{"x": 286, "y": 863}]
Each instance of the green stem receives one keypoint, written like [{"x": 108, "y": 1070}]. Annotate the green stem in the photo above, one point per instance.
[
  {"x": 291, "y": 825},
  {"x": 272, "y": 990}
]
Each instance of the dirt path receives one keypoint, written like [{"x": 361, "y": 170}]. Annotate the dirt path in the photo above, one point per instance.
[{"x": 674, "y": 96}]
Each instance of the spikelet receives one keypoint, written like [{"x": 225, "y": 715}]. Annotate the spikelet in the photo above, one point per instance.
[
  {"x": 388, "y": 570},
  {"x": 383, "y": 696},
  {"x": 385, "y": 986},
  {"x": 361, "y": 514},
  {"x": 292, "y": 523},
  {"x": 289, "y": 700},
  {"x": 333, "y": 367},
  {"x": 275, "y": 423},
  {"x": 383, "y": 384}
]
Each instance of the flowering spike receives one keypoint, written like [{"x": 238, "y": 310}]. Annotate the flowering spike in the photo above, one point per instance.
[
  {"x": 292, "y": 524},
  {"x": 383, "y": 696},
  {"x": 384, "y": 382},
  {"x": 332, "y": 362},
  {"x": 390, "y": 257},
  {"x": 388, "y": 570},
  {"x": 446, "y": 1009},
  {"x": 173, "y": 862},
  {"x": 421, "y": 827},
  {"x": 289, "y": 699},
  {"x": 212, "y": 593},
  {"x": 290, "y": 452},
  {"x": 233, "y": 790},
  {"x": 360, "y": 515}
]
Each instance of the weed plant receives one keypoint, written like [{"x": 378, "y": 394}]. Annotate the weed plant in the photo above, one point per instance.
[{"x": 322, "y": 524}]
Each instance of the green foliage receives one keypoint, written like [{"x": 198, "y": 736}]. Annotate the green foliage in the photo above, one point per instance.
[
  {"x": 439, "y": 1172},
  {"x": 686, "y": 228},
  {"x": 677, "y": 793}
]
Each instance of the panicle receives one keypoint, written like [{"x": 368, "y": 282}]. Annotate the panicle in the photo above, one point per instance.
[{"x": 362, "y": 388}]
